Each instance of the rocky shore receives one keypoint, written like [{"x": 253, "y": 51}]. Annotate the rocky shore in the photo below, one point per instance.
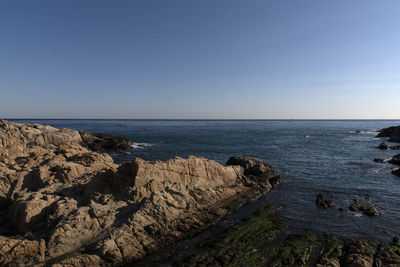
[
  {"x": 63, "y": 204},
  {"x": 260, "y": 240},
  {"x": 393, "y": 134}
]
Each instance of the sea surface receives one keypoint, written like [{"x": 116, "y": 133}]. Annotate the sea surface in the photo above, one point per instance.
[{"x": 332, "y": 157}]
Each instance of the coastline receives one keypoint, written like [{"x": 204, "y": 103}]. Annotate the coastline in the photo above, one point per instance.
[
  {"x": 74, "y": 206},
  {"x": 119, "y": 189}
]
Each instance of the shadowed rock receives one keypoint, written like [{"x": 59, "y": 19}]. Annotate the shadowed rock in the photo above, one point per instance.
[
  {"x": 396, "y": 172},
  {"x": 98, "y": 142},
  {"x": 392, "y": 132},
  {"x": 383, "y": 146},
  {"x": 324, "y": 202},
  {"x": 395, "y": 160}
]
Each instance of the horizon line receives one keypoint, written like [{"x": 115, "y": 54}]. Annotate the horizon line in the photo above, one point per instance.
[{"x": 204, "y": 119}]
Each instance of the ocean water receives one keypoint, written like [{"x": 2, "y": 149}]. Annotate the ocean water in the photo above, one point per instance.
[{"x": 332, "y": 157}]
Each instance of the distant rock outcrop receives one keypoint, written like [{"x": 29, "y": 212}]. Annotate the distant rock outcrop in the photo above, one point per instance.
[
  {"x": 392, "y": 132},
  {"x": 98, "y": 142},
  {"x": 76, "y": 207}
]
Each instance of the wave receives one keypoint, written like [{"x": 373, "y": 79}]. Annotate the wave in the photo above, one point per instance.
[
  {"x": 364, "y": 132},
  {"x": 141, "y": 145}
]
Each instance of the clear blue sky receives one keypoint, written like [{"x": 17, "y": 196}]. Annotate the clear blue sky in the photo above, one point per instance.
[{"x": 200, "y": 59}]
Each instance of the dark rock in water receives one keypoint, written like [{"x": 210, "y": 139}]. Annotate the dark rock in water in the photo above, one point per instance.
[
  {"x": 369, "y": 210},
  {"x": 392, "y": 132},
  {"x": 324, "y": 202},
  {"x": 394, "y": 147},
  {"x": 395, "y": 160},
  {"x": 355, "y": 206},
  {"x": 341, "y": 208},
  {"x": 254, "y": 167},
  {"x": 383, "y": 146},
  {"x": 396, "y": 172},
  {"x": 98, "y": 142},
  {"x": 379, "y": 160}
]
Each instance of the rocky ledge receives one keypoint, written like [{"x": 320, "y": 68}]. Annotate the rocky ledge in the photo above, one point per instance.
[{"x": 66, "y": 205}]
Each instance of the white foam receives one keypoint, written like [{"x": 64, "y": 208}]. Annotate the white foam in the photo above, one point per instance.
[
  {"x": 140, "y": 145},
  {"x": 364, "y": 132}
]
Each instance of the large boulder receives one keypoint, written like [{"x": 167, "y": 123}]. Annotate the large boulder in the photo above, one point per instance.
[
  {"x": 98, "y": 141},
  {"x": 395, "y": 160},
  {"x": 256, "y": 169},
  {"x": 392, "y": 132}
]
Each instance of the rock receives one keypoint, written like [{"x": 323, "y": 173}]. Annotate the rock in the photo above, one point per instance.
[
  {"x": 341, "y": 208},
  {"x": 383, "y": 146},
  {"x": 297, "y": 250},
  {"x": 396, "y": 241},
  {"x": 257, "y": 169},
  {"x": 324, "y": 202},
  {"x": 395, "y": 160},
  {"x": 91, "y": 211},
  {"x": 332, "y": 251},
  {"x": 358, "y": 252},
  {"x": 394, "y": 147},
  {"x": 379, "y": 160},
  {"x": 98, "y": 142},
  {"x": 396, "y": 172},
  {"x": 355, "y": 206},
  {"x": 369, "y": 209},
  {"x": 392, "y": 132},
  {"x": 245, "y": 244}
]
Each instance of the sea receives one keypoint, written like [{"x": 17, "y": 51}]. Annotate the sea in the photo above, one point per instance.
[{"x": 332, "y": 157}]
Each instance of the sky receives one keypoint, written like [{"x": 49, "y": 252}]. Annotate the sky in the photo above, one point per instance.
[{"x": 204, "y": 59}]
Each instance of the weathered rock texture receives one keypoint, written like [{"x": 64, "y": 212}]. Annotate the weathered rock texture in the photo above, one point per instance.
[{"x": 71, "y": 206}]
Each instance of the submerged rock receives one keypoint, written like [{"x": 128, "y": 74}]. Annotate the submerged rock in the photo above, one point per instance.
[
  {"x": 324, "y": 202},
  {"x": 379, "y": 160},
  {"x": 80, "y": 208}
]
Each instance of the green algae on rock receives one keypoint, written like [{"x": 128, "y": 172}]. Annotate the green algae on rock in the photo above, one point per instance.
[
  {"x": 332, "y": 251},
  {"x": 369, "y": 210},
  {"x": 246, "y": 244},
  {"x": 296, "y": 250}
]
